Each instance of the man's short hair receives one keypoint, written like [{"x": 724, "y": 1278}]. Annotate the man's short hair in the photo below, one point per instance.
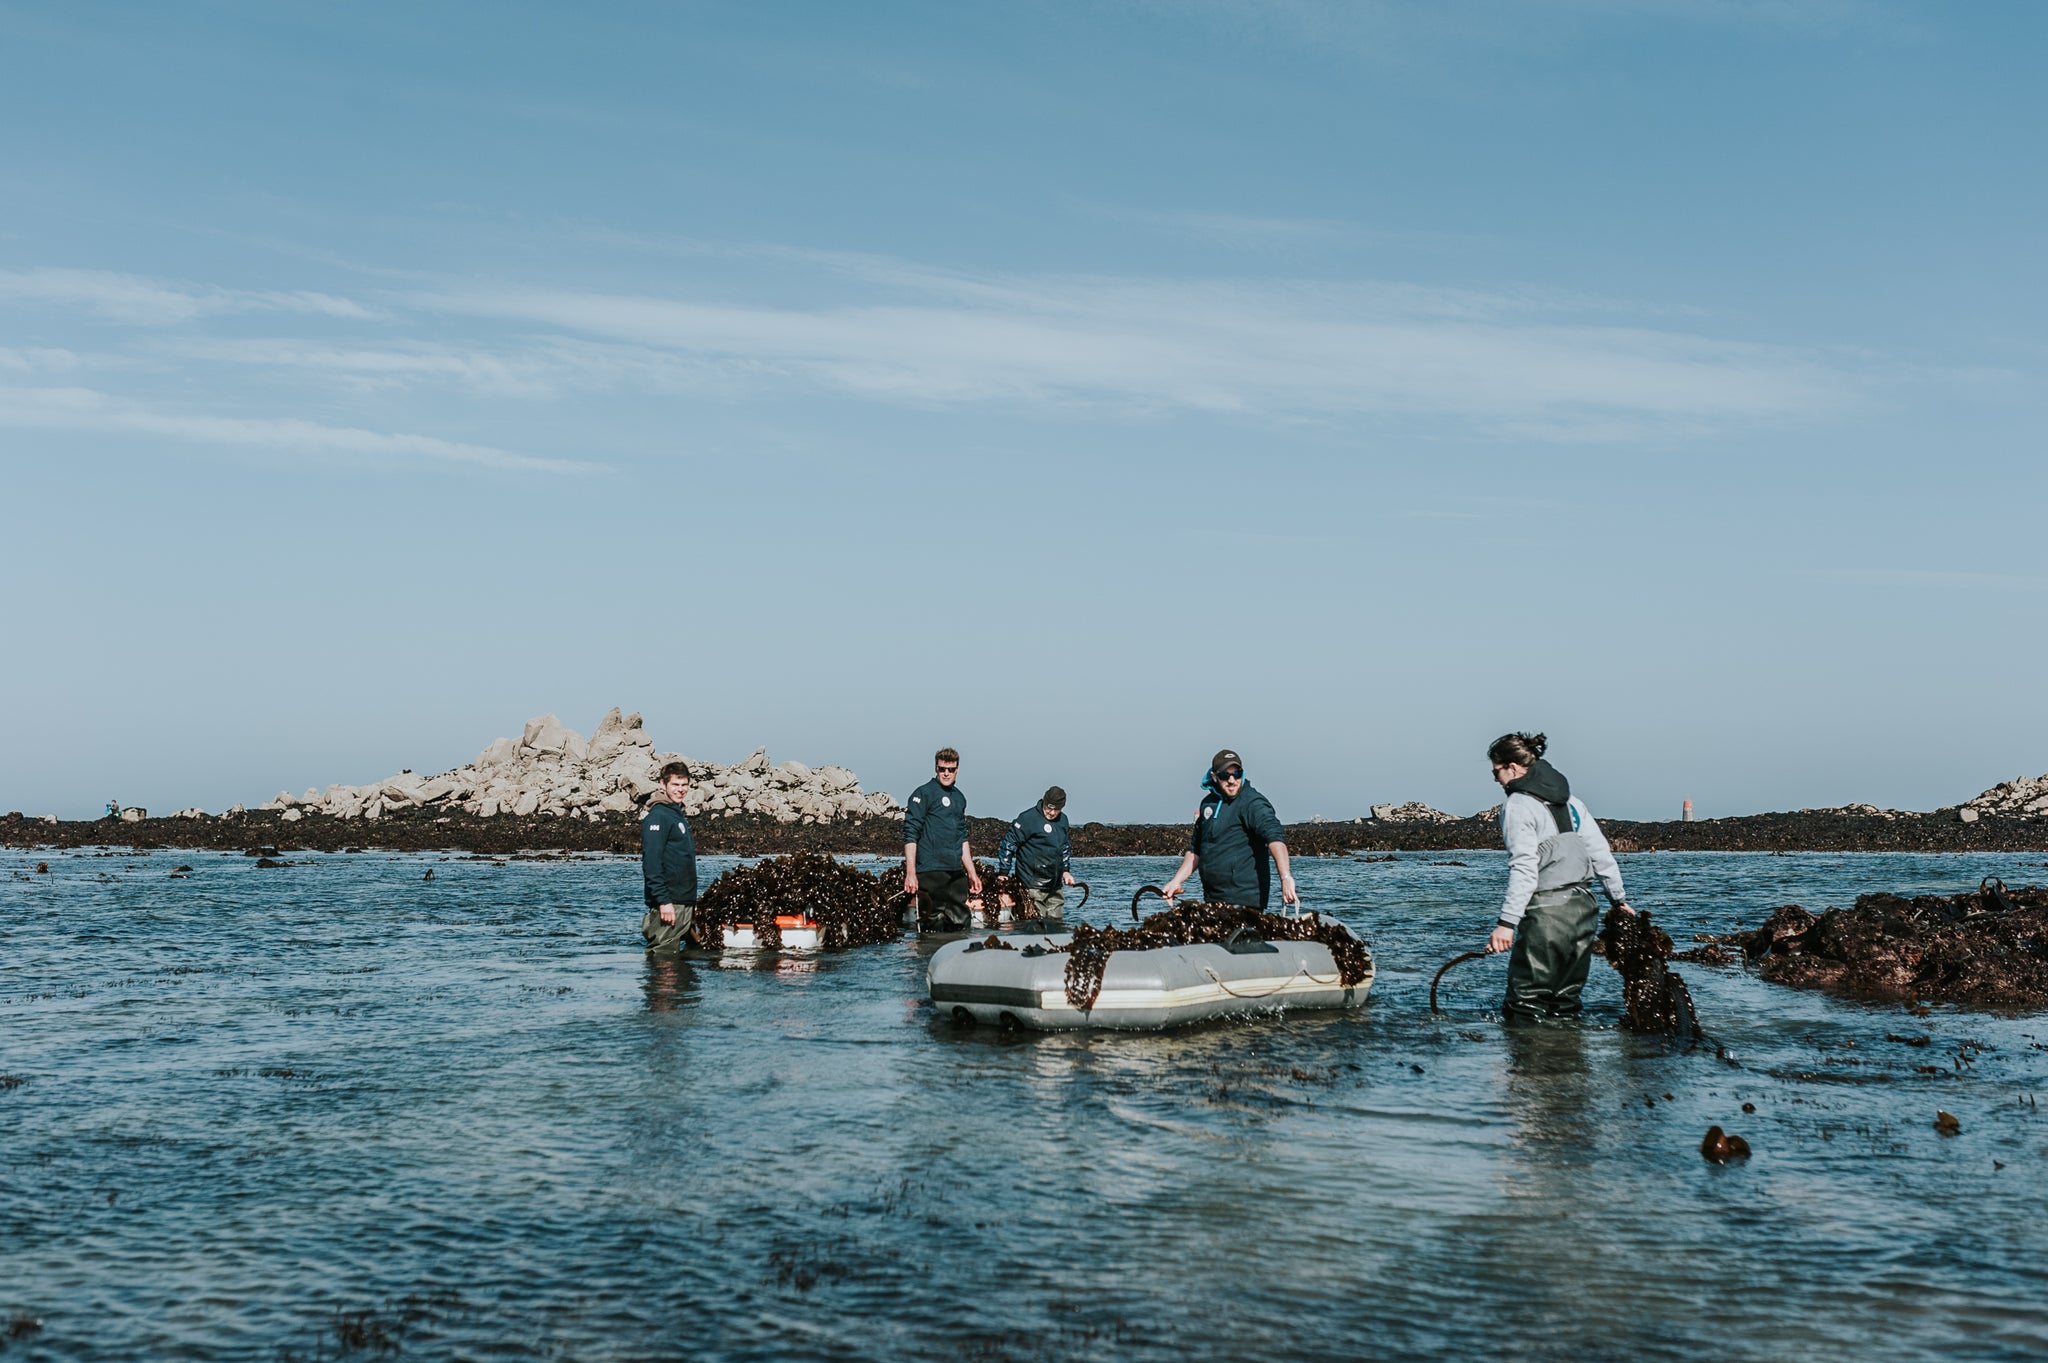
[
  {"x": 681, "y": 769},
  {"x": 945, "y": 755}
]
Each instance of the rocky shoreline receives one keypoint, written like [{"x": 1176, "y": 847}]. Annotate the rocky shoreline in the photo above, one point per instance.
[
  {"x": 551, "y": 789},
  {"x": 425, "y": 829}
]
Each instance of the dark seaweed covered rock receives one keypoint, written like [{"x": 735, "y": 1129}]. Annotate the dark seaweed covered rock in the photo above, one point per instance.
[{"x": 1987, "y": 949}]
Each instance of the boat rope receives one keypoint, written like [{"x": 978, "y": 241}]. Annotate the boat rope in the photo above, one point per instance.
[{"x": 1312, "y": 977}]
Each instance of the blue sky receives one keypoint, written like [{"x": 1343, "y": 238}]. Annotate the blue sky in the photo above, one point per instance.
[{"x": 1086, "y": 385}]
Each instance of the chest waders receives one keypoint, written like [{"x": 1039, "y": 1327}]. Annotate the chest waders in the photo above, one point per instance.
[{"x": 1554, "y": 943}]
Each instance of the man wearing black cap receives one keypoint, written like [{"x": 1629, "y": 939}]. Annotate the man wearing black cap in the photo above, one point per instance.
[
  {"x": 1236, "y": 840},
  {"x": 1037, "y": 852}
]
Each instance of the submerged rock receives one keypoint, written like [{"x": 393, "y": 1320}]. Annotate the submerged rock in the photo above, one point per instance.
[
  {"x": 1987, "y": 949},
  {"x": 1718, "y": 1147}
]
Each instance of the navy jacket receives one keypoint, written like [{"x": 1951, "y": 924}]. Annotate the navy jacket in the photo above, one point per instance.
[
  {"x": 936, "y": 820},
  {"x": 1230, "y": 837},
  {"x": 1036, "y": 849},
  {"x": 668, "y": 856}
]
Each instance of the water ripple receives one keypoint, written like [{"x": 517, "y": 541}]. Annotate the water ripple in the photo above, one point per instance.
[{"x": 331, "y": 1110}]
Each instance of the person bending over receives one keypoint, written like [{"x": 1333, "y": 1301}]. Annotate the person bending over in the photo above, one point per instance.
[
  {"x": 1237, "y": 840},
  {"x": 938, "y": 865},
  {"x": 668, "y": 863},
  {"x": 1038, "y": 852},
  {"x": 1555, "y": 850}
]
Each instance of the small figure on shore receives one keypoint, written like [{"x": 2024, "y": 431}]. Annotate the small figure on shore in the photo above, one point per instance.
[
  {"x": 1038, "y": 851},
  {"x": 1555, "y": 850},
  {"x": 938, "y": 865},
  {"x": 1236, "y": 841},
  {"x": 668, "y": 863},
  {"x": 113, "y": 809}
]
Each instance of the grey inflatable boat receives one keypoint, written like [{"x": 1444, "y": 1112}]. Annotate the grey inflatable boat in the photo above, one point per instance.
[{"x": 1141, "y": 990}]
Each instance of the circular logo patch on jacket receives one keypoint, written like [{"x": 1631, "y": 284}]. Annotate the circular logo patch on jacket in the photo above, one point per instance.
[
  {"x": 1209, "y": 813},
  {"x": 946, "y": 800},
  {"x": 1048, "y": 828}
]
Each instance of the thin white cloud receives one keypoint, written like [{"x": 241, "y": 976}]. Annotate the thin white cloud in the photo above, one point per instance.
[
  {"x": 38, "y": 360},
  {"x": 139, "y": 301},
  {"x": 1273, "y": 349},
  {"x": 529, "y": 368},
  {"x": 1521, "y": 363},
  {"x": 1939, "y": 579},
  {"x": 1388, "y": 30},
  {"x": 82, "y": 409}
]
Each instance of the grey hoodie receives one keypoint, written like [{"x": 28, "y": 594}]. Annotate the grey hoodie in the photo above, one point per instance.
[{"x": 1542, "y": 858}]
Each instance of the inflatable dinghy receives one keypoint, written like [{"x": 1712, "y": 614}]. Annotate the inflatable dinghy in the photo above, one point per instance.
[{"x": 1026, "y": 985}]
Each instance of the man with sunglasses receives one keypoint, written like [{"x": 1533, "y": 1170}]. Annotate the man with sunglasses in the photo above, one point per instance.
[
  {"x": 1237, "y": 839},
  {"x": 938, "y": 865}
]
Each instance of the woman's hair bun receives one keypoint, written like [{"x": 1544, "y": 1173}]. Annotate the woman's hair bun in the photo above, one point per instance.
[{"x": 1509, "y": 749}]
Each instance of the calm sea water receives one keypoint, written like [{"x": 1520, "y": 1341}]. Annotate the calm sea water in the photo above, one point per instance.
[{"x": 335, "y": 1110}]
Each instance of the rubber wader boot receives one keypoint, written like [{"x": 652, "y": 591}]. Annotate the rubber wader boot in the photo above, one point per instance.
[
  {"x": 1552, "y": 956},
  {"x": 1046, "y": 903},
  {"x": 942, "y": 902},
  {"x": 667, "y": 936}
]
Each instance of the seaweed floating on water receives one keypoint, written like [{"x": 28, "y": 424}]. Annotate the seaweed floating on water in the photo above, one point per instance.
[
  {"x": 1189, "y": 924},
  {"x": 1987, "y": 949},
  {"x": 851, "y": 907}
]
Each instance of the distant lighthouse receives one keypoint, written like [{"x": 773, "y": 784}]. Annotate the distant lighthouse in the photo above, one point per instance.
[{"x": 1686, "y": 816}]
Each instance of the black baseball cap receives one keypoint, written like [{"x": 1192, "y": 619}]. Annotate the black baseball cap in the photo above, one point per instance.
[
  {"x": 1224, "y": 761},
  {"x": 1055, "y": 797}
]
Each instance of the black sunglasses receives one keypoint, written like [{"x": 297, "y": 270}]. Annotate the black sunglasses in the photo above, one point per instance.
[{"x": 1234, "y": 774}]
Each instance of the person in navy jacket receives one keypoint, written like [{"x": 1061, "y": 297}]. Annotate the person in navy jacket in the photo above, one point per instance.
[
  {"x": 668, "y": 863},
  {"x": 938, "y": 865},
  {"x": 1038, "y": 851},
  {"x": 1237, "y": 841}
]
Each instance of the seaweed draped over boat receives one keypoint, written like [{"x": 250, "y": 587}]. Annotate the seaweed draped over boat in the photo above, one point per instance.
[
  {"x": 1986, "y": 949},
  {"x": 1191, "y": 924},
  {"x": 851, "y": 907}
]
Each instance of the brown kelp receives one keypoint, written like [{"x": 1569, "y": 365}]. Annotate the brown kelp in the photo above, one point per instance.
[
  {"x": 1987, "y": 949},
  {"x": 1189, "y": 924},
  {"x": 1445, "y": 969},
  {"x": 985, "y": 906},
  {"x": 1654, "y": 998},
  {"x": 847, "y": 903}
]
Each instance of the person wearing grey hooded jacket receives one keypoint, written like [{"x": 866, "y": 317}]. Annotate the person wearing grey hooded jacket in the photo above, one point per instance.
[{"x": 1555, "y": 852}]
